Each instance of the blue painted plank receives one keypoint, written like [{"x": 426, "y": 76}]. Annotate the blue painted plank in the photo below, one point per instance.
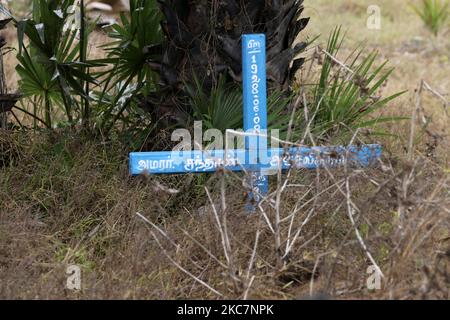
[
  {"x": 254, "y": 84},
  {"x": 255, "y": 102},
  {"x": 172, "y": 162}
]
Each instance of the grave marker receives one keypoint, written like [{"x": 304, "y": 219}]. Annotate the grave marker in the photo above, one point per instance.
[{"x": 255, "y": 122}]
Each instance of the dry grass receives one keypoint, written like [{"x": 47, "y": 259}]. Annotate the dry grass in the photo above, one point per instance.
[{"x": 66, "y": 200}]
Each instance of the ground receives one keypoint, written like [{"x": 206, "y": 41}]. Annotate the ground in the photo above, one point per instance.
[{"x": 67, "y": 201}]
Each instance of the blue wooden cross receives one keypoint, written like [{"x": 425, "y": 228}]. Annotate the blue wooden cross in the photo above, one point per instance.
[{"x": 256, "y": 158}]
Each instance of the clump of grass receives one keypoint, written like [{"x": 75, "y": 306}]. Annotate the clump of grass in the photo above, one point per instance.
[
  {"x": 434, "y": 13},
  {"x": 10, "y": 147},
  {"x": 348, "y": 92}
]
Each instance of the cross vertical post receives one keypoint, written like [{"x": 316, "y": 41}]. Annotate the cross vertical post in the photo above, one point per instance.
[{"x": 255, "y": 111}]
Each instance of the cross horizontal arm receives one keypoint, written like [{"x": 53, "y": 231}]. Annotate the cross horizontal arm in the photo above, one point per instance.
[{"x": 170, "y": 162}]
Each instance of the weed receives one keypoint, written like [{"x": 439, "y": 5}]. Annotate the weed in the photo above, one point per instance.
[{"x": 434, "y": 14}]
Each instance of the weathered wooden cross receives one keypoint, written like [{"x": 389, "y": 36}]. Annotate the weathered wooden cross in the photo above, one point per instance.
[{"x": 256, "y": 158}]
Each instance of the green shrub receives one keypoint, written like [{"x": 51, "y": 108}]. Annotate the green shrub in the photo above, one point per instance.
[
  {"x": 134, "y": 41},
  {"x": 347, "y": 93},
  {"x": 51, "y": 73}
]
